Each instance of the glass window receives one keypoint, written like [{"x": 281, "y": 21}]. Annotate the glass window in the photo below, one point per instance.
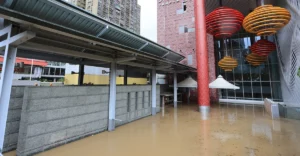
[
  {"x": 229, "y": 76},
  {"x": 256, "y": 90},
  {"x": 256, "y": 83},
  {"x": 46, "y": 71},
  {"x": 276, "y": 88},
  {"x": 62, "y": 71},
  {"x": 255, "y": 74},
  {"x": 52, "y": 71},
  {"x": 266, "y": 90},
  {"x": 57, "y": 71},
  {"x": 246, "y": 72},
  {"x": 265, "y": 73},
  {"x": 239, "y": 92},
  {"x": 238, "y": 73},
  {"x": 247, "y": 90}
]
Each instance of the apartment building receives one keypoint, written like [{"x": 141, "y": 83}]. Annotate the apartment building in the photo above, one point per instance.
[{"x": 124, "y": 13}]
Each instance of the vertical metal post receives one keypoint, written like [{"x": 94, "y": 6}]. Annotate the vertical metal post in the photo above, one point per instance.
[
  {"x": 202, "y": 57},
  {"x": 80, "y": 75},
  {"x": 112, "y": 97},
  {"x": 5, "y": 88},
  {"x": 175, "y": 90},
  {"x": 31, "y": 69},
  {"x": 153, "y": 91},
  {"x": 126, "y": 75}
]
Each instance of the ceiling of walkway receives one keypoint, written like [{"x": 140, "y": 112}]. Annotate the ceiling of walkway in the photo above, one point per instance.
[{"x": 244, "y": 6}]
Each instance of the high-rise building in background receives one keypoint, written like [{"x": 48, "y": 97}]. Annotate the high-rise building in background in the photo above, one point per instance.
[{"x": 124, "y": 13}]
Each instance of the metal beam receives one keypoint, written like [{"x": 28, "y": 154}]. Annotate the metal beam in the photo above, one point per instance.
[
  {"x": 5, "y": 30},
  {"x": 163, "y": 67},
  {"x": 153, "y": 91},
  {"x": 112, "y": 97},
  {"x": 126, "y": 59},
  {"x": 5, "y": 88},
  {"x": 138, "y": 65},
  {"x": 103, "y": 31},
  {"x": 142, "y": 47},
  {"x": 61, "y": 51},
  {"x": 166, "y": 54},
  {"x": 18, "y": 39}
]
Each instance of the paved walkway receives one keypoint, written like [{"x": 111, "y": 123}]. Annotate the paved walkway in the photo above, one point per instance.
[{"x": 229, "y": 131}]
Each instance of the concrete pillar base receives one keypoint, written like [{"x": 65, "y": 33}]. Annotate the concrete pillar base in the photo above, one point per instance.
[
  {"x": 204, "y": 112},
  {"x": 111, "y": 125},
  {"x": 153, "y": 111},
  {"x": 204, "y": 109}
]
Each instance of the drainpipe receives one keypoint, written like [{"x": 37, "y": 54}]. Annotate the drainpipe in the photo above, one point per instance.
[{"x": 202, "y": 57}]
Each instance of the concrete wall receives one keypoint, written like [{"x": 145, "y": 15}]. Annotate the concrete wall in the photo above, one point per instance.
[
  {"x": 134, "y": 102},
  {"x": 52, "y": 116},
  {"x": 13, "y": 119}
]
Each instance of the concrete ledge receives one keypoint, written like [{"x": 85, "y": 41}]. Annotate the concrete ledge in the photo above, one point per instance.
[{"x": 272, "y": 108}]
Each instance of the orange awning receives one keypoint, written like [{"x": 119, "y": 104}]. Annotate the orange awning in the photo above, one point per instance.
[{"x": 29, "y": 61}]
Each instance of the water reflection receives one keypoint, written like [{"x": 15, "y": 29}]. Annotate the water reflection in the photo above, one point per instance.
[{"x": 229, "y": 130}]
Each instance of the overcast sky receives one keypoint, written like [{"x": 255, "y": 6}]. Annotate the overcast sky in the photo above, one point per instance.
[{"x": 149, "y": 19}]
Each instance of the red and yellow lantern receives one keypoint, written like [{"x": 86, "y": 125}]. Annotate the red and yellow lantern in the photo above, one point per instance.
[
  {"x": 266, "y": 20},
  {"x": 263, "y": 47},
  {"x": 223, "y": 22},
  {"x": 256, "y": 60},
  {"x": 228, "y": 63}
]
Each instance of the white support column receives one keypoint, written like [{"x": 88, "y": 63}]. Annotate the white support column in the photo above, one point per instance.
[
  {"x": 175, "y": 90},
  {"x": 153, "y": 91},
  {"x": 5, "y": 88},
  {"x": 112, "y": 97}
]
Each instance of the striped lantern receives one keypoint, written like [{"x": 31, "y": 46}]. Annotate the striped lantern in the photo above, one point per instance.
[
  {"x": 266, "y": 20},
  {"x": 223, "y": 22},
  {"x": 263, "y": 47},
  {"x": 256, "y": 60},
  {"x": 228, "y": 63}
]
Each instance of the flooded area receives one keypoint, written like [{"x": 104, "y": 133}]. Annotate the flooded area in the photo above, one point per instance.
[{"x": 230, "y": 130}]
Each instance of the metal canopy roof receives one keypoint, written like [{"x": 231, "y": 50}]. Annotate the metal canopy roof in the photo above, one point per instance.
[{"x": 82, "y": 38}]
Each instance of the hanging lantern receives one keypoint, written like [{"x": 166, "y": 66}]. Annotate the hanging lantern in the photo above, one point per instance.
[
  {"x": 266, "y": 20},
  {"x": 228, "y": 63},
  {"x": 223, "y": 22},
  {"x": 263, "y": 47},
  {"x": 255, "y": 60}
]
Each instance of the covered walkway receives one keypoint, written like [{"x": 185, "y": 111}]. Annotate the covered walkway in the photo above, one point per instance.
[
  {"x": 58, "y": 31},
  {"x": 230, "y": 130}
]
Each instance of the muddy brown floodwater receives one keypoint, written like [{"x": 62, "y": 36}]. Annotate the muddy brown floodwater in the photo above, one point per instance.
[{"x": 230, "y": 130}]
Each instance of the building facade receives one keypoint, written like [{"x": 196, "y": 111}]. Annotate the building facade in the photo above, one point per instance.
[
  {"x": 276, "y": 79},
  {"x": 124, "y": 13},
  {"x": 176, "y": 31}
]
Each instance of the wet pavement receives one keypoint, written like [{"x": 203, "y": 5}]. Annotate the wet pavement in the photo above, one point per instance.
[{"x": 230, "y": 130}]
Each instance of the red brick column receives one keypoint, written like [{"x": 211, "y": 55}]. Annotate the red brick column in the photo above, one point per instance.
[{"x": 202, "y": 56}]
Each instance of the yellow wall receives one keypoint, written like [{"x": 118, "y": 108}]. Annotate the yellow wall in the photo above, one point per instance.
[{"x": 72, "y": 79}]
